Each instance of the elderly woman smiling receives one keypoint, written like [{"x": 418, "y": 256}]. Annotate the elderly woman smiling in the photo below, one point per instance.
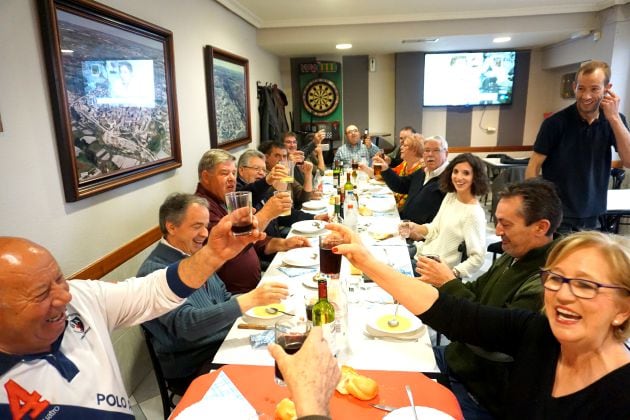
[{"x": 571, "y": 361}]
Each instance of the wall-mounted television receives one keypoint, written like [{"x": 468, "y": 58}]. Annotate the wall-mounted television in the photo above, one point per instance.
[
  {"x": 119, "y": 82},
  {"x": 468, "y": 78}
]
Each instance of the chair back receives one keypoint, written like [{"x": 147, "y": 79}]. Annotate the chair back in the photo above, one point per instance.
[
  {"x": 166, "y": 394},
  {"x": 617, "y": 175}
]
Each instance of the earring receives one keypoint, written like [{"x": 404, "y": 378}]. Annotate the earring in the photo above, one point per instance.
[{"x": 616, "y": 323}]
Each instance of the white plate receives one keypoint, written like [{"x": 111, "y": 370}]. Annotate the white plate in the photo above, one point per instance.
[
  {"x": 259, "y": 312},
  {"x": 381, "y": 205},
  {"x": 383, "y": 229},
  {"x": 301, "y": 257},
  {"x": 314, "y": 205},
  {"x": 308, "y": 226},
  {"x": 309, "y": 282},
  {"x": 406, "y": 413},
  {"x": 407, "y": 321}
]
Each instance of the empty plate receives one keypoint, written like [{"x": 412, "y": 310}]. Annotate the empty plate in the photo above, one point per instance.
[
  {"x": 314, "y": 205},
  {"x": 301, "y": 257},
  {"x": 308, "y": 226}
]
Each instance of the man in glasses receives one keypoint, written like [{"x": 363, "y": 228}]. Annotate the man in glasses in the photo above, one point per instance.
[
  {"x": 422, "y": 187},
  {"x": 352, "y": 149},
  {"x": 527, "y": 215}
]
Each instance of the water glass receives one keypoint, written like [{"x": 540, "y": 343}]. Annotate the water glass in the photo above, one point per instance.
[{"x": 239, "y": 205}]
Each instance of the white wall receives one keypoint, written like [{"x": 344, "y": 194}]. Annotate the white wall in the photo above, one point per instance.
[
  {"x": 382, "y": 88},
  {"x": 32, "y": 202}
]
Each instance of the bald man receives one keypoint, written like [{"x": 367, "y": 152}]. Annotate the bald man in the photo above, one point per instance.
[{"x": 56, "y": 355}]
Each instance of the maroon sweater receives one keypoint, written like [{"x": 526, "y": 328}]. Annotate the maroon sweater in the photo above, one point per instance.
[{"x": 242, "y": 273}]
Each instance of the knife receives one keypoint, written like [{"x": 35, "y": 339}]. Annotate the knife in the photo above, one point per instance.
[
  {"x": 384, "y": 407},
  {"x": 254, "y": 327}
]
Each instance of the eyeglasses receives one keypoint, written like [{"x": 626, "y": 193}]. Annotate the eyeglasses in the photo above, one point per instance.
[
  {"x": 583, "y": 289},
  {"x": 256, "y": 168},
  {"x": 429, "y": 151}
]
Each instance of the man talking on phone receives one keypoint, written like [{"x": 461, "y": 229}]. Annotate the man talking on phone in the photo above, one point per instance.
[{"x": 573, "y": 147}]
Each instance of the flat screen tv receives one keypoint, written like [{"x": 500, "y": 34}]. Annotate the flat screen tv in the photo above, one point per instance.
[
  {"x": 468, "y": 78},
  {"x": 120, "y": 82}
]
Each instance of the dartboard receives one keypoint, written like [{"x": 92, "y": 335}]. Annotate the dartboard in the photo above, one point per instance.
[{"x": 320, "y": 97}]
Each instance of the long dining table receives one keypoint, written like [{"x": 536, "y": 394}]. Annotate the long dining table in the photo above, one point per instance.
[{"x": 391, "y": 359}]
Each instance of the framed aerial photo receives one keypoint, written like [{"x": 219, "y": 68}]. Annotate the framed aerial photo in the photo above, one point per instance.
[
  {"x": 227, "y": 86},
  {"x": 112, "y": 87}
]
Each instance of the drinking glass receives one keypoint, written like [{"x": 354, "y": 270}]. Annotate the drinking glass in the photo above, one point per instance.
[
  {"x": 287, "y": 192},
  {"x": 239, "y": 205},
  {"x": 329, "y": 263},
  {"x": 290, "y": 335},
  {"x": 404, "y": 229}
]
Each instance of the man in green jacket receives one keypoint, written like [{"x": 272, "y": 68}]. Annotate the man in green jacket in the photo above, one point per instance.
[{"x": 527, "y": 215}]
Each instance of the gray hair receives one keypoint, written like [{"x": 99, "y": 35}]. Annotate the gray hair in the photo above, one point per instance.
[
  {"x": 212, "y": 158},
  {"x": 175, "y": 206},
  {"x": 440, "y": 139},
  {"x": 244, "y": 159}
]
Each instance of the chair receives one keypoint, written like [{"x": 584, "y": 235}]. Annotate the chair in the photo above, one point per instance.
[
  {"x": 496, "y": 249},
  {"x": 611, "y": 222},
  {"x": 167, "y": 392}
]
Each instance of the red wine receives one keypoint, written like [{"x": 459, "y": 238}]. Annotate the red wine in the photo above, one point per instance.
[
  {"x": 329, "y": 263},
  {"x": 242, "y": 229},
  {"x": 309, "y": 312},
  {"x": 355, "y": 165},
  {"x": 291, "y": 348}
]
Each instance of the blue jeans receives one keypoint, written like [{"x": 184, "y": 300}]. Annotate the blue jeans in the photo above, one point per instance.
[{"x": 471, "y": 409}]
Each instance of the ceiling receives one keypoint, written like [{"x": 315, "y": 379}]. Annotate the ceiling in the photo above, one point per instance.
[{"x": 313, "y": 27}]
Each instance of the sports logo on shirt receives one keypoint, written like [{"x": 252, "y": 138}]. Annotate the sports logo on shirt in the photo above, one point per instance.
[{"x": 77, "y": 325}]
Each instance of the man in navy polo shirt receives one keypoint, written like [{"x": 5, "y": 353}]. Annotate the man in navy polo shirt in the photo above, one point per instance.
[{"x": 573, "y": 147}]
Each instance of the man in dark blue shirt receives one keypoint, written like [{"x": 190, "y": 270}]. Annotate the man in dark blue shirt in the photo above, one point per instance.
[{"x": 573, "y": 147}]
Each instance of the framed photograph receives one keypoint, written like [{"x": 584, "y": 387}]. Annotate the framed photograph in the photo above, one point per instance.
[
  {"x": 227, "y": 86},
  {"x": 112, "y": 87}
]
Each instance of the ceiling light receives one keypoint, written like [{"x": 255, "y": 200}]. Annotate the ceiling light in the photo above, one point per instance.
[
  {"x": 500, "y": 39},
  {"x": 419, "y": 40},
  {"x": 343, "y": 46}
]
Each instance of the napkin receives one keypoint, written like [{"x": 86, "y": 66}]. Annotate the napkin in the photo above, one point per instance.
[
  {"x": 223, "y": 400},
  {"x": 296, "y": 271},
  {"x": 262, "y": 339}
]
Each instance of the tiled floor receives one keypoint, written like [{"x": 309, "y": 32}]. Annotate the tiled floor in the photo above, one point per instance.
[{"x": 147, "y": 395}]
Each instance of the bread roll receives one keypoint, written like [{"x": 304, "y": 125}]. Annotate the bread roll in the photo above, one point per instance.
[
  {"x": 357, "y": 385},
  {"x": 285, "y": 410}
]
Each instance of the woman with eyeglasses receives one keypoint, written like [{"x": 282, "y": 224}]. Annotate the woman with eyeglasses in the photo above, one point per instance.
[{"x": 570, "y": 362}]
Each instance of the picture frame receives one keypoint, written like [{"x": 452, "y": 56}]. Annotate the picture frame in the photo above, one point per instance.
[
  {"x": 227, "y": 89},
  {"x": 112, "y": 86}
]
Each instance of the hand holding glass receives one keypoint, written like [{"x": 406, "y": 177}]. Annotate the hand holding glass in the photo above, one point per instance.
[
  {"x": 329, "y": 263},
  {"x": 290, "y": 335},
  {"x": 239, "y": 205}
]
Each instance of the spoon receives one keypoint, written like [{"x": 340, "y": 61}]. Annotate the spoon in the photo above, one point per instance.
[
  {"x": 394, "y": 321},
  {"x": 413, "y": 405},
  {"x": 271, "y": 310}
]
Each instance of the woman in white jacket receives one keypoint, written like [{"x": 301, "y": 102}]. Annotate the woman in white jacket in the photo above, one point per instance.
[{"x": 460, "y": 218}]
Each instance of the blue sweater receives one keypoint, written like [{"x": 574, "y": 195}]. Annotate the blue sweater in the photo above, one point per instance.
[{"x": 191, "y": 334}]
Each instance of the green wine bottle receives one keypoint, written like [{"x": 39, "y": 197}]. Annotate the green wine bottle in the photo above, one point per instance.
[
  {"x": 323, "y": 310},
  {"x": 337, "y": 174}
]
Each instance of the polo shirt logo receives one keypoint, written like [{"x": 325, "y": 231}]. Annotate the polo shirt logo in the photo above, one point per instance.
[{"x": 77, "y": 325}]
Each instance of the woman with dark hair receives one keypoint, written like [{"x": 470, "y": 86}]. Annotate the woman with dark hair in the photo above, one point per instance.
[{"x": 461, "y": 219}]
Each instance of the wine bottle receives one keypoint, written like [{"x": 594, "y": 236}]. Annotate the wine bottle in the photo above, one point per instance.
[
  {"x": 337, "y": 174},
  {"x": 337, "y": 214},
  {"x": 348, "y": 185},
  {"x": 323, "y": 314}
]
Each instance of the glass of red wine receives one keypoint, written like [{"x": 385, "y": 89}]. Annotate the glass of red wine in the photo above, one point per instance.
[
  {"x": 239, "y": 205},
  {"x": 290, "y": 335},
  {"x": 329, "y": 263}
]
